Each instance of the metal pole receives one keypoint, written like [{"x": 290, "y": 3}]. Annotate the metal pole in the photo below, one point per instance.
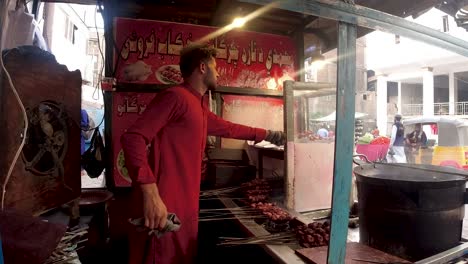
[
  {"x": 344, "y": 143},
  {"x": 35, "y": 8},
  {"x": 289, "y": 146},
  {"x": 219, "y": 112},
  {"x": 1, "y": 252}
]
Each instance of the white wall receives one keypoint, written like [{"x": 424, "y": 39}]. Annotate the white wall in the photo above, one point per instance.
[
  {"x": 384, "y": 56},
  {"x": 74, "y": 55},
  {"x": 67, "y": 53}
]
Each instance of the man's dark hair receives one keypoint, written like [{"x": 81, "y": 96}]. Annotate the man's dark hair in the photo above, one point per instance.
[
  {"x": 398, "y": 117},
  {"x": 192, "y": 56}
]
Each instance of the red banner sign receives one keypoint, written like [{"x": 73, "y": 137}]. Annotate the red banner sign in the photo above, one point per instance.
[
  {"x": 149, "y": 53},
  {"x": 126, "y": 108}
]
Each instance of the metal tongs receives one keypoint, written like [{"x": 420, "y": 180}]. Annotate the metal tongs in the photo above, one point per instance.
[{"x": 172, "y": 225}]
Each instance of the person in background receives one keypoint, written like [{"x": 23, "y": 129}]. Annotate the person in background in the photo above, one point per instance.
[
  {"x": 87, "y": 129},
  {"x": 323, "y": 132},
  {"x": 375, "y": 132},
  {"x": 166, "y": 175},
  {"x": 84, "y": 129},
  {"x": 396, "y": 151},
  {"x": 414, "y": 141}
]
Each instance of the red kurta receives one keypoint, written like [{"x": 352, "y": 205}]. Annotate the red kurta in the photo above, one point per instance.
[{"x": 175, "y": 125}]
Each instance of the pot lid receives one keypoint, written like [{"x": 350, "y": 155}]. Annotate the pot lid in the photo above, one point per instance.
[{"x": 410, "y": 173}]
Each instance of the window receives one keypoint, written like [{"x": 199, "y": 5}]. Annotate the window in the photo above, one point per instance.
[
  {"x": 371, "y": 82},
  {"x": 75, "y": 28},
  {"x": 445, "y": 23},
  {"x": 392, "y": 90},
  {"x": 93, "y": 49},
  {"x": 70, "y": 29},
  {"x": 397, "y": 39}
]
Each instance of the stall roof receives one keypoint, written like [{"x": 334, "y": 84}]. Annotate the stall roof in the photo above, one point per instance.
[
  {"x": 332, "y": 117},
  {"x": 223, "y": 10},
  {"x": 436, "y": 119},
  {"x": 276, "y": 21}
]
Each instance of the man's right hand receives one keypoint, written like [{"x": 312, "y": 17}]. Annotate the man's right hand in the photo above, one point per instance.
[
  {"x": 276, "y": 137},
  {"x": 154, "y": 209}
]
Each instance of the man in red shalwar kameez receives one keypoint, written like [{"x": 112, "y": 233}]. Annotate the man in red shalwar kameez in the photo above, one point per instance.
[{"x": 163, "y": 153}]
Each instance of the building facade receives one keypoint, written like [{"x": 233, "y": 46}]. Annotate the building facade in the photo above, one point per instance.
[{"x": 413, "y": 78}]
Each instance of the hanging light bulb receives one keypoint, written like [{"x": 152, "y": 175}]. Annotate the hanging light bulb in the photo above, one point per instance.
[
  {"x": 318, "y": 60},
  {"x": 238, "y": 22}
]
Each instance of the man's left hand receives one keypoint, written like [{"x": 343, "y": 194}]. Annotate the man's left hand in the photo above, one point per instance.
[{"x": 276, "y": 137}]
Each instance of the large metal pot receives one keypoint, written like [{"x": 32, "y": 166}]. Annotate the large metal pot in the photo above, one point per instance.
[{"x": 412, "y": 211}]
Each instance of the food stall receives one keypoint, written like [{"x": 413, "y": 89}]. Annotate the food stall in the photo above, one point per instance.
[
  {"x": 350, "y": 17},
  {"x": 252, "y": 68},
  {"x": 142, "y": 57}
]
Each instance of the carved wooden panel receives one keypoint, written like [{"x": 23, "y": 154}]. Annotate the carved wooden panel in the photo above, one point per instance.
[{"x": 47, "y": 173}]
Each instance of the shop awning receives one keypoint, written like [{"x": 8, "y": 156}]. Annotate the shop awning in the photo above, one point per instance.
[{"x": 332, "y": 117}]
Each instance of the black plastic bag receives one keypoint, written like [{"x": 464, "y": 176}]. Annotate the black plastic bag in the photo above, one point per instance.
[{"x": 92, "y": 159}]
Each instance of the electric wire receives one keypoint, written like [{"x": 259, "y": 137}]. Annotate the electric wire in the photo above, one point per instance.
[{"x": 23, "y": 110}]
